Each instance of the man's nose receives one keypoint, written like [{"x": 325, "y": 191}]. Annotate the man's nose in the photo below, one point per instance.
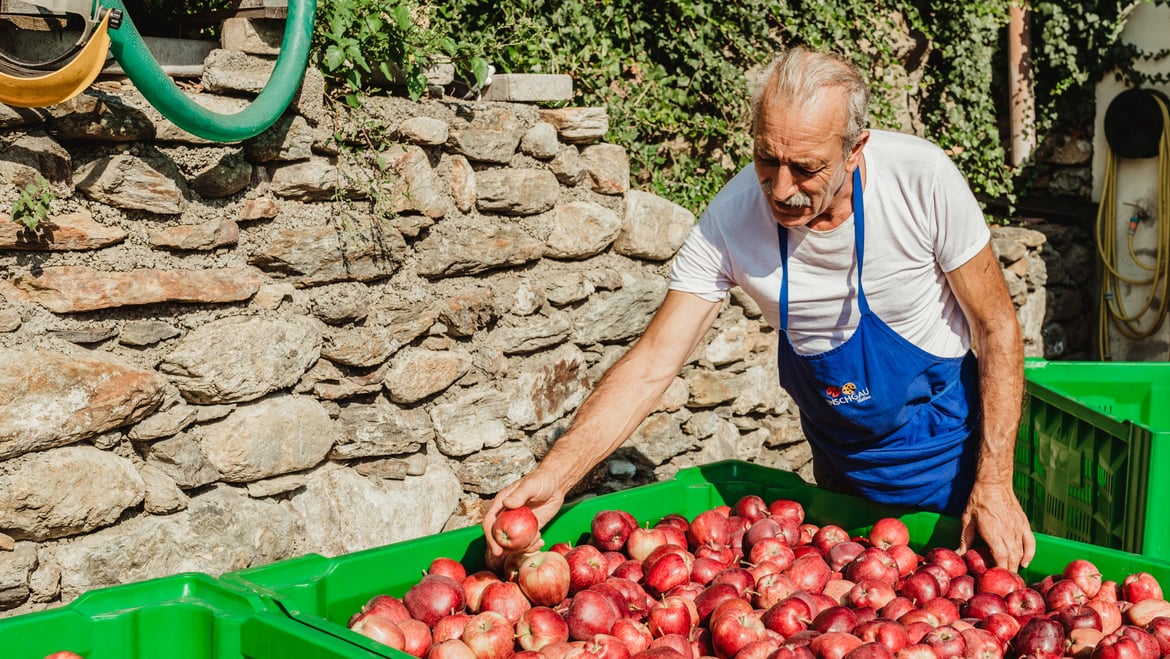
[{"x": 783, "y": 183}]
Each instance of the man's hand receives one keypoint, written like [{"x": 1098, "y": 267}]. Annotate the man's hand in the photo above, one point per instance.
[
  {"x": 995, "y": 514},
  {"x": 541, "y": 492}
]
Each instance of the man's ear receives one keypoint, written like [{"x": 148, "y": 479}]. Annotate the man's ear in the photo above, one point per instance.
[{"x": 854, "y": 159}]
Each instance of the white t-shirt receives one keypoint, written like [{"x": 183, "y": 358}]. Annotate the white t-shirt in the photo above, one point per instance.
[{"x": 921, "y": 221}]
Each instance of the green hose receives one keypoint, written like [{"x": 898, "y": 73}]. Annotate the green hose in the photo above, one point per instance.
[{"x": 140, "y": 66}]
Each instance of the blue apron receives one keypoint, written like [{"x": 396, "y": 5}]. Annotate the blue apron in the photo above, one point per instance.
[{"x": 897, "y": 423}]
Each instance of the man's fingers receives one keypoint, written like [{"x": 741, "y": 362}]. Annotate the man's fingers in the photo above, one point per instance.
[
  {"x": 1029, "y": 548},
  {"x": 967, "y": 536}
]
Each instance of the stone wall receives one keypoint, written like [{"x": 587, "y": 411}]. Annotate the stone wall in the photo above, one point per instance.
[{"x": 217, "y": 356}]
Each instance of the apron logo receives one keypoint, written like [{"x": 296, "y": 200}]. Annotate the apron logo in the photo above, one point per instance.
[{"x": 846, "y": 393}]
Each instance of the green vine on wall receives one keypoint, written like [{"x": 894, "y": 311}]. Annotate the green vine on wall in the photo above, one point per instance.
[{"x": 674, "y": 74}]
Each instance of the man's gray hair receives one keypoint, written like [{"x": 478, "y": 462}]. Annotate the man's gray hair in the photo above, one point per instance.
[{"x": 797, "y": 75}]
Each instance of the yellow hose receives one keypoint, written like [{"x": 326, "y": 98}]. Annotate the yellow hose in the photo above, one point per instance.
[{"x": 1113, "y": 312}]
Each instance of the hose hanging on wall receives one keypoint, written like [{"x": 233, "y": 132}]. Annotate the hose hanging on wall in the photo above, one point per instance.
[{"x": 1134, "y": 128}]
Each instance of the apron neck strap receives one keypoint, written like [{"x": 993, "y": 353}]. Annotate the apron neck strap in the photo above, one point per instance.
[{"x": 858, "y": 237}]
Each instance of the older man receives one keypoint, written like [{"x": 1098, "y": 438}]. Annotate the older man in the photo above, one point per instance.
[{"x": 868, "y": 252}]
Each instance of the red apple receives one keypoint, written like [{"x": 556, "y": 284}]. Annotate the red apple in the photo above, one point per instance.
[
  {"x": 946, "y": 641},
  {"x": 731, "y": 632},
  {"x": 904, "y": 557},
  {"x": 827, "y": 536},
  {"x": 962, "y": 588},
  {"x": 489, "y": 635},
  {"x": 642, "y": 541},
  {"x": 1024, "y": 603},
  {"x": 1141, "y": 586},
  {"x": 380, "y": 629},
  {"x": 609, "y": 529},
  {"x": 981, "y": 644},
  {"x": 998, "y": 580},
  {"x": 417, "y": 638},
  {"x": 506, "y": 599},
  {"x": 947, "y": 559},
  {"x": 1003, "y": 625},
  {"x": 1078, "y": 616},
  {"x": 978, "y": 559},
  {"x": 1082, "y": 642},
  {"x": 665, "y": 572},
  {"x": 887, "y": 532},
  {"x": 711, "y": 597},
  {"x": 672, "y": 615},
  {"x": 916, "y": 651},
  {"x": 386, "y": 606},
  {"x": 607, "y": 646},
  {"x": 885, "y": 631},
  {"x": 982, "y": 605},
  {"x": 434, "y": 596},
  {"x": 709, "y": 526},
  {"x": 636, "y": 635},
  {"x": 834, "y": 619},
  {"x": 810, "y": 573},
  {"x": 1042, "y": 637},
  {"x": 473, "y": 587},
  {"x": 1064, "y": 592},
  {"x": 771, "y": 549},
  {"x": 838, "y": 590},
  {"x": 844, "y": 553},
  {"x": 721, "y": 553},
  {"x": 1116, "y": 647},
  {"x": 1110, "y": 591},
  {"x": 788, "y": 616},
  {"x": 671, "y": 646},
  {"x": 450, "y": 649},
  {"x": 1159, "y": 628},
  {"x": 629, "y": 569},
  {"x": 940, "y": 575},
  {"x": 868, "y": 592},
  {"x": 920, "y": 586},
  {"x": 1108, "y": 612},
  {"x": 704, "y": 569},
  {"x": 834, "y": 645},
  {"x": 1084, "y": 574},
  {"x": 763, "y": 649},
  {"x": 736, "y": 576},
  {"x": 787, "y": 509},
  {"x": 544, "y": 577},
  {"x": 587, "y": 566},
  {"x": 515, "y": 528},
  {"x": 1147, "y": 644},
  {"x": 897, "y": 607},
  {"x": 873, "y": 563},
  {"x": 449, "y": 627},
  {"x": 589, "y": 613},
  {"x": 751, "y": 507},
  {"x": 674, "y": 520},
  {"x": 942, "y": 608}
]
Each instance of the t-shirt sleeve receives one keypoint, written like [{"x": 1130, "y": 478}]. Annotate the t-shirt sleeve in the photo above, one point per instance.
[
  {"x": 961, "y": 230},
  {"x": 701, "y": 265}
]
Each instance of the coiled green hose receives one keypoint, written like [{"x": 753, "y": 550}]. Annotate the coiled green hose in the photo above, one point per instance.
[{"x": 140, "y": 66}]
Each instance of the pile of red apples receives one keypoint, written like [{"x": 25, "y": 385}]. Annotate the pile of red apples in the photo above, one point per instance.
[{"x": 756, "y": 581}]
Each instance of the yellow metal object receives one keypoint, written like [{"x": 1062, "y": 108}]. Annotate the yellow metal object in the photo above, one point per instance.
[{"x": 63, "y": 84}]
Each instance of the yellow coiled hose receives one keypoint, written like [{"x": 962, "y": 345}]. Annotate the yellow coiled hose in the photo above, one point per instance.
[{"x": 1113, "y": 312}]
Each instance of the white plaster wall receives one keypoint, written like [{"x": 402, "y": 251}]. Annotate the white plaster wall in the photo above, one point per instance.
[{"x": 1148, "y": 28}]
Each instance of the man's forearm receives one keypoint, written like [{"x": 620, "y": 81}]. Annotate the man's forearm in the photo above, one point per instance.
[
  {"x": 623, "y": 399},
  {"x": 1001, "y": 383}
]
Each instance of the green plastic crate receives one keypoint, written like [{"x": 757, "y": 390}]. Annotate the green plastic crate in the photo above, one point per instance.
[
  {"x": 185, "y": 616},
  {"x": 324, "y": 592},
  {"x": 1093, "y": 453}
]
